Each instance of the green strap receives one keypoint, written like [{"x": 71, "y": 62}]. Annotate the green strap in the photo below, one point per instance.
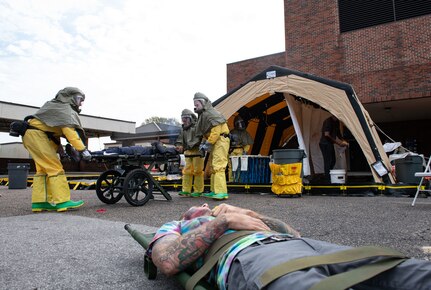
[
  {"x": 223, "y": 240},
  {"x": 346, "y": 280},
  {"x": 349, "y": 255},
  {"x": 217, "y": 249}
]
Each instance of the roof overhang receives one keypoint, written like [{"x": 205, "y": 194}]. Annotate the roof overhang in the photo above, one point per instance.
[{"x": 94, "y": 126}]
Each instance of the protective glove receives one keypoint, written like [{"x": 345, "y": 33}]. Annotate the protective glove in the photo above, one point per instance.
[
  {"x": 73, "y": 154},
  {"x": 205, "y": 147},
  {"x": 86, "y": 155},
  {"x": 63, "y": 155},
  {"x": 234, "y": 140},
  {"x": 179, "y": 148}
]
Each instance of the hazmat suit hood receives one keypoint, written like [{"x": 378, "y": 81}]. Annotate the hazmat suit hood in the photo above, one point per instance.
[
  {"x": 239, "y": 123},
  {"x": 239, "y": 135},
  {"x": 186, "y": 113},
  {"x": 208, "y": 116},
  {"x": 189, "y": 113},
  {"x": 204, "y": 101},
  {"x": 63, "y": 110}
]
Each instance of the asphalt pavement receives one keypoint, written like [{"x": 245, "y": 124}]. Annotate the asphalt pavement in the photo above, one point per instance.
[{"x": 88, "y": 248}]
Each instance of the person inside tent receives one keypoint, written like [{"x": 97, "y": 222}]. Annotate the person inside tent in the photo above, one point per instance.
[
  {"x": 330, "y": 135},
  {"x": 240, "y": 141}
]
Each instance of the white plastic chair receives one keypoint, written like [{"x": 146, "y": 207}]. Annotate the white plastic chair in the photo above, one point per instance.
[{"x": 422, "y": 175}]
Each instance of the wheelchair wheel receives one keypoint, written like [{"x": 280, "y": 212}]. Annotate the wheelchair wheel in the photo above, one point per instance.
[
  {"x": 138, "y": 187},
  {"x": 108, "y": 187}
]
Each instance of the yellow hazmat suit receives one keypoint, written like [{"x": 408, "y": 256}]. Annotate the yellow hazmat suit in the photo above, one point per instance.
[
  {"x": 55, "y": 119},
  {"x": 193, "y": 174},
  {"x": 219, "y": 159},
  {"x": 212, "y": 126}
]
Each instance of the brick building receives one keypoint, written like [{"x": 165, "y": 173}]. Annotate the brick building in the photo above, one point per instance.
[{"x": 381, "y": 48}]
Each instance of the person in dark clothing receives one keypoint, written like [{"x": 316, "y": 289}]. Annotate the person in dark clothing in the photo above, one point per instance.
[{"x": 330, "y": 135}]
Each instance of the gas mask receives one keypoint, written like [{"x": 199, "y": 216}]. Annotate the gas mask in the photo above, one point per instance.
[{"x": 240, "y": 124}]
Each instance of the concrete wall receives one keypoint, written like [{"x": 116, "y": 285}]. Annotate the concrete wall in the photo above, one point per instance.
[{"x": 13, "y": 150}]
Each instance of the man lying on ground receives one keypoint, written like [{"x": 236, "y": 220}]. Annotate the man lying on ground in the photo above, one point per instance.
[{"x": 181, "y": 244}]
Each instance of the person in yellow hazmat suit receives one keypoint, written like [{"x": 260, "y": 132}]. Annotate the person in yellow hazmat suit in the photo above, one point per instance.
[
  {"x": 188, "y": 142},
  {"x": 212, "y": 127},
  {"x": 240, "y": 141},
  {"x": 56, "y": 118}
]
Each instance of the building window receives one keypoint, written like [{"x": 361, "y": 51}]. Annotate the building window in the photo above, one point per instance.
[{"x": 356, "y": 14}]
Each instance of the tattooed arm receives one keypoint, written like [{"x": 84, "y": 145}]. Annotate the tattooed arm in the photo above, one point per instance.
[
  {"x": 277, "y": 225},
  {"x": 274, "y": 224},
  {"x": 173, "y": 253}
]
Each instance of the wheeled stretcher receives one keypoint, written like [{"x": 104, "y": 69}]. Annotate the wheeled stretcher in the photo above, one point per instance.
[{"x": 129, "y": 176}]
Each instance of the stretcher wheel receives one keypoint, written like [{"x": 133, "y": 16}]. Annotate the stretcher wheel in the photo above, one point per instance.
[
  {"x": 108, "y": 187},
  {"x": 138, "y": 187}
]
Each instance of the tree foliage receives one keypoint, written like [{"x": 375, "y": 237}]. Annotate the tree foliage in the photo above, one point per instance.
[{"x": 163, "y": 120}]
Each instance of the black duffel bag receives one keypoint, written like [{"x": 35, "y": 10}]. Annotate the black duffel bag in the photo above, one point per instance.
[{"x": 18, "y": 128}]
